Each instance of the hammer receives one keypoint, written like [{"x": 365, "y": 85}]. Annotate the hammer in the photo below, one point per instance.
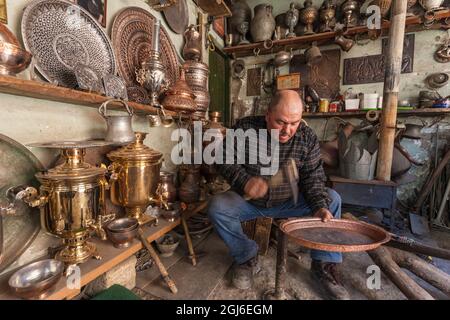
[{"x": 288, "y": 173}]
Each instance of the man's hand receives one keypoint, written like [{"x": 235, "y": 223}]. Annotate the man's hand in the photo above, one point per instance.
[
  {"x": 256, "y": 188},
  {"x": 323, "y": 214}
]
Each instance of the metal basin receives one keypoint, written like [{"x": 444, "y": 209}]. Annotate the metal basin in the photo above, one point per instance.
[
  {"x": 34, "y": 280},
  {"x": 122, "y": 231}
]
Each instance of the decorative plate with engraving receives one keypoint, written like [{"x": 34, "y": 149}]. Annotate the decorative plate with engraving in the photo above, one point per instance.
[
  {"x": 61, "y": 35},
  {"x": 88, "y": 79},
  {"x": 132, "y": 37},
  {"x": 115, "y": 87},
  {"x": 138, "y": 94}
]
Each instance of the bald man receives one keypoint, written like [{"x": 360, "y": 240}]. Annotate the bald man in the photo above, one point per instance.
[{"x": 229, "y": 209}]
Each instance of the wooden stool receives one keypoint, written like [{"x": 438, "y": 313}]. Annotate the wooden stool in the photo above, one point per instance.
[{"x": 259, "y": 230}]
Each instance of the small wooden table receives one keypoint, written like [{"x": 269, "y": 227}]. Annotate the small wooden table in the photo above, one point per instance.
[{"x": 111, "y": 257}]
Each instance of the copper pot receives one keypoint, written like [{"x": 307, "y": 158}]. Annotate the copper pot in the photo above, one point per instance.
[
  {"x": 193, "y": 47},
  {"x": 189, "y": 191},
  {"x": 167, "y": 185},
  {"x": 196, "y": 74},
  {"x": 180, "y": 97},
  {"x": 202, "y": 99}
]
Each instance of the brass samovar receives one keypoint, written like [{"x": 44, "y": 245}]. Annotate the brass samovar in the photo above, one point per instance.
[
  {"x": 135, "y": 177},
  {"x": 71, "y": 200}
]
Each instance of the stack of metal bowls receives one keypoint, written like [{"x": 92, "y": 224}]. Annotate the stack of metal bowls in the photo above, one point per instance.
[
  {"x": 197, "y": 74},
  {"x": 122, "y": 231}
]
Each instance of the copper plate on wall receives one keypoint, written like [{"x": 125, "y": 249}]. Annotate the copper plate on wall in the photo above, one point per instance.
[
  {"x": 60, "y": 38},
  {"x": 370, "y": 69},
  {"x": 254, "y": 82},
  {"x": 323, "y": 76},
  {"x": 337, "y": 235},
  {"x": 177, "y": 16},
  {"x": 132, "y": 37}
]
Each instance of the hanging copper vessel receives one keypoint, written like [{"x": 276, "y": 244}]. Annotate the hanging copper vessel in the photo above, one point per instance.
[
  {"x": 135, "y": 176},
  {"x": 180, "y": 97},
  {"x": 193, "y": 47}
]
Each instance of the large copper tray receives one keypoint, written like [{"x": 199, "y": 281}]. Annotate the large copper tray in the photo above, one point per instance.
[
  {"x": 336, "y": 235},
  {"x": 17, "y": 167},
  {"x": 132, "y": 38},
  {"x": 61, "y": 35}
]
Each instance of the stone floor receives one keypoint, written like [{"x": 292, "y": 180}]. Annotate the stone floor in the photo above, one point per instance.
[{"x": 210, "y": 278}]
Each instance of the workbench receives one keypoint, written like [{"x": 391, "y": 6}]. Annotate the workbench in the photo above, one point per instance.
[{"x": 111, "y": 257}]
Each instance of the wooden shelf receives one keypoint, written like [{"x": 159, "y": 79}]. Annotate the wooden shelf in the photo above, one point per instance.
[
  {"x": 47, "y": 91},
  {"x": 431, "y": 112},
  {"x": 413, "y": 23},
  {"x": 111, "y": 257}
]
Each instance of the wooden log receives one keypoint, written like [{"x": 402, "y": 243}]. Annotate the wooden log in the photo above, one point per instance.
[
  {"x": 422, "y": 269},
  {"x": 382, "y": 257},
  {"x": 391, "y": 89}
]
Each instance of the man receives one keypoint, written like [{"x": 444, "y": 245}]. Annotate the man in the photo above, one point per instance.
[{"x": 229, "y": 209}]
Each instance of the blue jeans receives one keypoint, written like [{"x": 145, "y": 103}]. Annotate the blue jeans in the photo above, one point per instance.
[{"x": 227, "y": 210}]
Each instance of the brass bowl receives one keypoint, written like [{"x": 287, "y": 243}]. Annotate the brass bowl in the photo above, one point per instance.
[
  {"x": 13, "y": 59},
  {"x": 173, "y": 212},
  {"x": 122, "y": 231},
  {"x": 34, "y": 280}
]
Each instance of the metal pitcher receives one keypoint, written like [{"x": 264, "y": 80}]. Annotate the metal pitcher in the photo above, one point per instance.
[{"x": 119, "y": 128}]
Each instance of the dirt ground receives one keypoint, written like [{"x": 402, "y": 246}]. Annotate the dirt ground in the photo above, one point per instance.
[{"x": 210, "y": 278}]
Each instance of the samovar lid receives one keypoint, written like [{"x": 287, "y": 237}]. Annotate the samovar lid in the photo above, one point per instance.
[
  {"x": 74, "y": 167},
  {"x": 136, "y": 151}
]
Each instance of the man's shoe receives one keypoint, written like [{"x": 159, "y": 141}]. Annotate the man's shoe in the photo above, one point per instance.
[
  {"x": 242, "y": 274},
  {"x": 326, "y": 274}
]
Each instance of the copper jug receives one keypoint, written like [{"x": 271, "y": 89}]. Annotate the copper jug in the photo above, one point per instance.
[
  {"x": 189, "y": 191},
  {"x": 193, "y": 47}
]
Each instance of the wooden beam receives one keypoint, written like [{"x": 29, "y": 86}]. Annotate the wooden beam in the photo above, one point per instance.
[
  {"x": 391, "y": 89},
  {"x": 48, "y": 91}
]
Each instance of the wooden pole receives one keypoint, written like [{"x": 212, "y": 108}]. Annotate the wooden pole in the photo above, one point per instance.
[{"x": 391, "y": 89}]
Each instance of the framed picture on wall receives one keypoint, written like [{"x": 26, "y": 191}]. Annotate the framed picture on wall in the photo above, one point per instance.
[
  {"x": 3, "y": 12},
  {"x": 97, "y": 8}
]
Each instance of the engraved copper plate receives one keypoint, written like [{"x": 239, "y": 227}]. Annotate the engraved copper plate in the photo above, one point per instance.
[
  {"x": 370, "y": 69},
  {"x": 336, "y": 235},
  {"x": 61, "y": 35},
  {"x": 254, "y": 82},
  {"x": 177, "y": 16},
  {"x": 323, "y": 76},
  {"x": 132, "y": 39},
  {"x": 138, "y": 95},
  {"x": 17, "y": 168}
]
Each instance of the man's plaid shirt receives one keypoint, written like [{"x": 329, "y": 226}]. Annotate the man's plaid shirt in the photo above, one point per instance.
[{"x": 303, "y": 147}]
